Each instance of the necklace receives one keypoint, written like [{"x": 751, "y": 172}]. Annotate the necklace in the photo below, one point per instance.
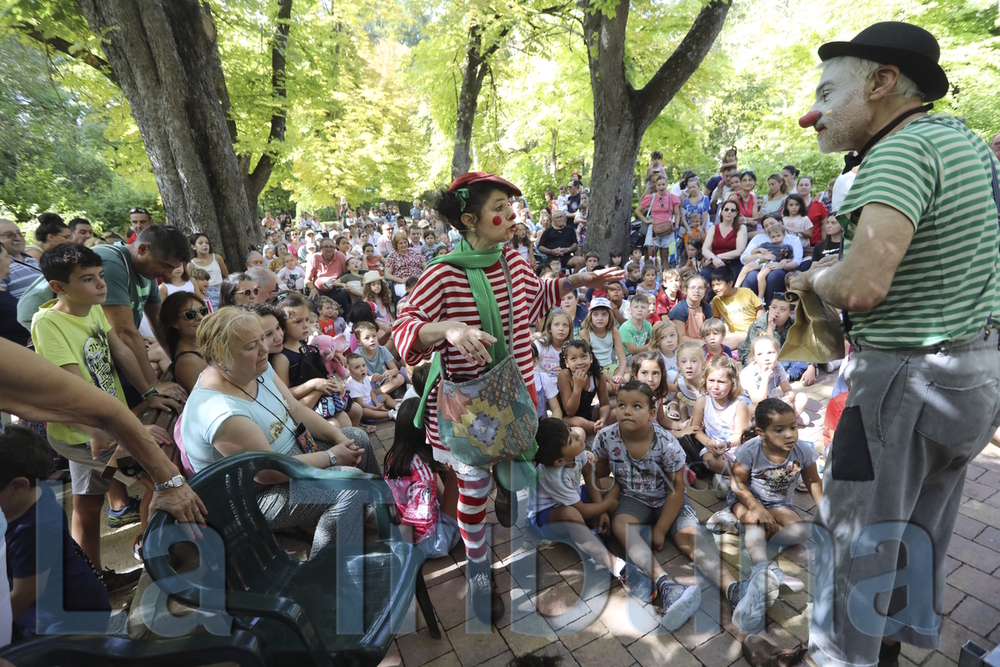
[{"x": 278, "y": 420}]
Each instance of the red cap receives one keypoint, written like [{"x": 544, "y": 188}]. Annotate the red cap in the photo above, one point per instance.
[{"x": 482, "y": 176}]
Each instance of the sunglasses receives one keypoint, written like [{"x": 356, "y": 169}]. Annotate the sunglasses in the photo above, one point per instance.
[
  {"x": 250, "y": 292},
  {"x": 730, "y": 210},
  {"x": 137, "y": 209},
  {"x": 192, "y": 313}
]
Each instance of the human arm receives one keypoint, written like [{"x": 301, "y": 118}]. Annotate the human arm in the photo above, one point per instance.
[
  {"x": 813, "y": 481},
  {"x": 307, "y": 393},
  {"x": 758, "y": 390},
  {"x": 698, "y": 423},
  {"x": 123, "y": 358},
  {"x": 740, "y": 422},
  {"x": 671, "y": 508},
  {"x": 602, "y": 398},
  {"x": 861, "y": 281},
  {"x": 706, "y": 250},
  {"x": 741, "y": 489},
  {"x": 319, "y": 427},
  {"x": 33, "y": 388},
  {"x": 123, "y": 326},
  {"x": 571, "y": 388},
  {"x": 187, "y": 368},
  {"x": 619, "y": 348},
  {"x": 222, "y": 266},
  {"x": 23, "y": 594}
]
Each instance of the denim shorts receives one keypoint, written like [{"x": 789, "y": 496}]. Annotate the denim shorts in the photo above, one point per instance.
[
  {"x": 731, "y": 500},
  {"x": 540, "y": 521},
  {"x": 686, "y": 517}
]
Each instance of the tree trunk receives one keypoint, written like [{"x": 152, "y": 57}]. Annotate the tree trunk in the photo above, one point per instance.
[
  {"x": 468, "y": 102},
  {"x": 254, "y": 181},
  {"x": 161, "y": 52},
  {"x": 622, "y": 113}
]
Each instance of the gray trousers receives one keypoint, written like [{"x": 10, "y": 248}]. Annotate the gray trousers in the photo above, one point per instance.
[
  {"x": 894, "y": 478},
  {"x": 329, "y": 515}
]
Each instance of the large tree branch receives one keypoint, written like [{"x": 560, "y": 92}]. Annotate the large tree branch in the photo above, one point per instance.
[
  {"x": 682, "y": 63},
  {"x": 63, "y": 46},
  {"x": 257, "y": 179}
]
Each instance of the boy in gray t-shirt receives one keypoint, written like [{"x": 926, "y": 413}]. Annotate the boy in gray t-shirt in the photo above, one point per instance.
[{"x": 765, "y": 473}]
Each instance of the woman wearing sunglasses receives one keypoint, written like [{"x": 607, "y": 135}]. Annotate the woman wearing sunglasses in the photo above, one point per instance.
[
  {"x": 180, "y": 316},
  {"x": 237, "y": 289},
  {"x": 726, "y": 241}
]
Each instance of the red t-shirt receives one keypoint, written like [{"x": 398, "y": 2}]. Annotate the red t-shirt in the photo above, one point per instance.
[{"x": 817, "y": 213}]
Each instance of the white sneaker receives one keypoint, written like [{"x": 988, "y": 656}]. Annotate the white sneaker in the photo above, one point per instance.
[
  {"x": 392, "y": 414},
  {"x": 677, "y": 613},
  {"x": 786, "y": 581},
  {"x": 754, "y": 595},
  {"x": 720, "y": 484}
]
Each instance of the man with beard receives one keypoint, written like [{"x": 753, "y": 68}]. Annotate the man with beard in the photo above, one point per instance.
[{"x": 925, "y": 371}]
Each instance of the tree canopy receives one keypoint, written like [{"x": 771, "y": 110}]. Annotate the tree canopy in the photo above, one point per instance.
[{"x": 370, "y": 94}]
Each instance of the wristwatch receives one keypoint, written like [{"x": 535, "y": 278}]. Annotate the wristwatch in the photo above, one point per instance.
[
  {"x": 152, "y": 392},
  {"x": 172, "y": 483},
  {"x": 333, "y": 457}
]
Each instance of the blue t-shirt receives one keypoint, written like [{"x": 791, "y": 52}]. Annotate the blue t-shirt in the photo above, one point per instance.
[
  {"x": 680, "y": 312},
  {"x": 82, "y": 589},
  {"x": 207, "y": 409}
]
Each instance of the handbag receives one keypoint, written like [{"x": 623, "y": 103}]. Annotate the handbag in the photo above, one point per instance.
[
  {"x": 661, "y": 228},
  {"x": 493, "y": 417},
  {"x": 816, "y": 336}
]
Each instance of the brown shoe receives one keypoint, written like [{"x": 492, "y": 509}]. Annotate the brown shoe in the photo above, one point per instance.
[{"x": 761, "y": 653}]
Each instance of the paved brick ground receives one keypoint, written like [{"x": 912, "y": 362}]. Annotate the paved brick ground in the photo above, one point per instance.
[
  {"x": 622, "y": 635},
  {"x": 554, "y": 622}
]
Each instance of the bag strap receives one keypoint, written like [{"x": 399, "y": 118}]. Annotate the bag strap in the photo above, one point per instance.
[{"x": 437, "y": 369}]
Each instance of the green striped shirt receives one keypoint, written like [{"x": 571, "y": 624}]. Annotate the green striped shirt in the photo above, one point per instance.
[{"x": 936, "y": 172}]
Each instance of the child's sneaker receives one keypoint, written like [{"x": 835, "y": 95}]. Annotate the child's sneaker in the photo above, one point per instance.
[
  {"x": 724, "y": 521},
  {"x": 751, "y": 597},
  {"x": 720, "y": 484},
  {"x": 392, "y": 414},
  {"x": 126, "y": 515},
  {"x": 793, "y": 584},
  {"x": 678, "y": 603},
  {"x": 637, "y": 583}
]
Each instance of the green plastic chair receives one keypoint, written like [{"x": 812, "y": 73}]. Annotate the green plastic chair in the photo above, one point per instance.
[
  {"x": 338, "y": 608},
  {"x": 240, "y": 648}
]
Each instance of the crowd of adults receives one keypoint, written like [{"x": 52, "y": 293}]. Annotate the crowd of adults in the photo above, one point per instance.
[{"x": 681, "y": 329}]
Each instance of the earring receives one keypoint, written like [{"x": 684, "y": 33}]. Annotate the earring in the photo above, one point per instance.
[{"x": 225, "y": 369}]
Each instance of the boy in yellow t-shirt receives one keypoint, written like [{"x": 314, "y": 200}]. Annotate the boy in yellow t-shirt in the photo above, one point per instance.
[
  {"x": 73, "y": 332},
  {"x": 737, "y": 307}
]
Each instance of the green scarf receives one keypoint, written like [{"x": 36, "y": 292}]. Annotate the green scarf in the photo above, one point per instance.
[{"x": 473, "y": 261}]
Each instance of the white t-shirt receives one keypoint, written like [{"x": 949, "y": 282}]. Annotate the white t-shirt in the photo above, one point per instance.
[
  {"x": 558, "y": 486},
  {"x": 751, "y": 378},
  {"x": 361, "y": 390},
  {"x": 545, "y": 388},
  {"x": 548, "y": 360}
]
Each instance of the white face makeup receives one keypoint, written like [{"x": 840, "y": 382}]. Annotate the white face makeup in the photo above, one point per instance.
[{"x": 846, "y": 115}]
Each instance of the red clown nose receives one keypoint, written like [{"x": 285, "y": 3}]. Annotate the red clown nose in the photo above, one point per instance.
[{"x": 810, "y": 118}]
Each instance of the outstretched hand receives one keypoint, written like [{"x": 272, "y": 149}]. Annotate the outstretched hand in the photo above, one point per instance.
[{"x": 598, "y": 279}]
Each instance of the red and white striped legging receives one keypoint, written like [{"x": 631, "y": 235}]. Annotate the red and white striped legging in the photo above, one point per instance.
[{"x": 473, "y": 491}]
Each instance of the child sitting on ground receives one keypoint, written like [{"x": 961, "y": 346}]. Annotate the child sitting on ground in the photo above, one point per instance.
[
  {"x": 599, "y": 331},
  {"x": 691, "y": 311},
  {"x": 738, "y": 307},
  {"x": 765, "y": 474},
  {"x": 557, "y": 505},
  {"x": 636, "y": 332},
  {"x": 409, "y": 470},
  {"x": 647, "y": 283},
  {"x": 580, "y": 381},
  {"x": 26, "y": 459},
  {"x": 556, "y": 331},
  {"x": 291, "y": 274},
  {"x": 546, "y": 389},
  {"x": 359, "y": 386},
  {"x": 765, "y": 378},
  {"x": 330, "y": 321},
  {"x": 379, "y": 364},
  {"x": 720, "y": 414},
  {"x": 648, "y": 466},
  {"x": 713, "y": 332},
  {"x": 668, "y": 296},
  {"x": 760, "y": 260}
]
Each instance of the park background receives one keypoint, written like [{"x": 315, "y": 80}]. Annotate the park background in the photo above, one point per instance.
[{"x": 361, "y": 99}]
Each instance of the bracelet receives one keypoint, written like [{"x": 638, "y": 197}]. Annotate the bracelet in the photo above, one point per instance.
[
  {"x": 568, "y": 285},
  {"x": 152, "y": 392},
  {"x": 333, "y": 457}
]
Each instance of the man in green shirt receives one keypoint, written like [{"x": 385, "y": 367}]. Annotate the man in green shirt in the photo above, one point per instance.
[{"x": 918, "y": 280}]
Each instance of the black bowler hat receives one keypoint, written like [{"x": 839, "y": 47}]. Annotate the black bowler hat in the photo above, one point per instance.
[{"x": 913, "y": 50}]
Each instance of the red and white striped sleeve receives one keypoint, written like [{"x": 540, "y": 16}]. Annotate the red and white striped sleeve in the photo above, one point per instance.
[{"x": 424, "y": 305}]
